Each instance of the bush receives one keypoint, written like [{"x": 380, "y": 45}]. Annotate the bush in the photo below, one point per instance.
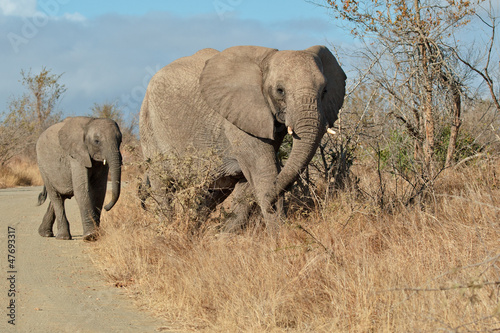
[
  {"x": 466, "y": 145},
  {"x": 181, "y": 186},
  {"x": 397, "y": 153}
]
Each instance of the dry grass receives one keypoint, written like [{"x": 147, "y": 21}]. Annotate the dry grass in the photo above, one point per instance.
[
  {"x": 20, "y": 172},
  {"x": 348, "y": 267}
]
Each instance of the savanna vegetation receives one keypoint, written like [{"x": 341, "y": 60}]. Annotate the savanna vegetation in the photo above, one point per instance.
[
  {"x": 344, "y": 264},
  {"x": 28, "y": 115},
  {"x": 394, "y": 226},
  {"x": 25, "y": 118}
]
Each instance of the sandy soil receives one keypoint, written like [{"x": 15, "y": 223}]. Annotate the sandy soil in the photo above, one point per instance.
[{"x": 57, "y": 288}]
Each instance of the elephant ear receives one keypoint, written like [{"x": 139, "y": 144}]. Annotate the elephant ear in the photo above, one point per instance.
[
  {"x": 335, "y": 88},
  {"x": 72, "y": 139},
  {"x": 231, "y": 84}
]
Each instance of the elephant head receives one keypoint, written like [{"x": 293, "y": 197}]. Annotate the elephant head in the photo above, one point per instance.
[
  {"x": 261, "y": 89},
  {"x": 94, "y": 140}
]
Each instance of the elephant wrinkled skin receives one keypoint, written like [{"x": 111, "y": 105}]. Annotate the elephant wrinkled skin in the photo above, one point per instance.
[
  {"x": 74, "y": 157},
  {"x": 241, "y": 103}
]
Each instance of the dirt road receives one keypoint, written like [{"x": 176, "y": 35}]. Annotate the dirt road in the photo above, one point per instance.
[{"x": 50, "y": 285}]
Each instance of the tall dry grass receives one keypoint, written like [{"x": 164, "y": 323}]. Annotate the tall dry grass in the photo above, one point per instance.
[
  {"x": 349, "y": 266},
  {"x": 20, "y": 172}
]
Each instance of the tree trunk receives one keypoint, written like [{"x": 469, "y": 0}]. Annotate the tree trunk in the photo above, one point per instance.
[
  {"x": 428, "y": 113},
  {"x": 429, "y": 123},
  {"x": 456, "y": 122}
]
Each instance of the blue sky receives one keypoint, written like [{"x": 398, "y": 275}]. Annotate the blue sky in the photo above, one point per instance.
[
  {"x": 270, "y": 10},
  {"x": 108, "y": 50}
]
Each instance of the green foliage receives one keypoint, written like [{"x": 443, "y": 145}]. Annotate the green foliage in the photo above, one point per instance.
[
  {"x": 398, "y": 152},
  {"x": 399, "y": 149},
  {"x": 466, "y": 145},
  {"x": 285, "y": 149}
]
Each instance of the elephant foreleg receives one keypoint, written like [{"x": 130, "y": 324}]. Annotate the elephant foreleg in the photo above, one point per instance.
[
  {"x": 86, "y": 202},
  {"x": 242, "y": 202},
  {"x": 45, "y": 229},
  {"x": 261, "y": 176},
  {"x": 97, "y": 198},
  {"x": 90, "y": 219}
]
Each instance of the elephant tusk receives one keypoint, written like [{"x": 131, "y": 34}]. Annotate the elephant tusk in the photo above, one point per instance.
[
  {"x": 104, "y": 162},
  {"x": 290, "y": 130},
  {"x": 331, "y": 131}
]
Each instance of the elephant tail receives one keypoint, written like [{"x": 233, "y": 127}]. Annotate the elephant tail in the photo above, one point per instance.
[{"x": 42, "y": 196}]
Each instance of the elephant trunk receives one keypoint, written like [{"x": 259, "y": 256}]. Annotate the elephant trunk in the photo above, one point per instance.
[
  {"x": 115, "y": 162},
  {"x": 308, "y": 130}
]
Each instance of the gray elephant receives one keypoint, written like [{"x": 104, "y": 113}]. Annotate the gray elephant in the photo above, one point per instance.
[
  {"x": 74, "y": 157},
  {"x": 241, "y": 103}
]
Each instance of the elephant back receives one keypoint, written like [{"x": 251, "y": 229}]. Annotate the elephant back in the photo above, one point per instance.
[{"x": 174, "y": 115}]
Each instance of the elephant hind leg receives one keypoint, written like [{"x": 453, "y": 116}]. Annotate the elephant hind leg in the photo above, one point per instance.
[
  {"x": 144, "y": 190},
  {"x": 62, "y": 222},
  {"x": 214, "y": 198},
  {"x": 45, "y": 229}
]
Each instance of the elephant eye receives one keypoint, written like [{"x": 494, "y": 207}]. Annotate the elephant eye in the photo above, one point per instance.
[
  {"x": 97, "y": 142},
  {"x": 280, "y": 91},
  {"x": 324, "y": 92}
]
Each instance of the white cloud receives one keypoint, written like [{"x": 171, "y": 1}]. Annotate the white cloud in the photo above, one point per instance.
[
  {"x": 18, "y": 7},
  {"x": 75, "y": 17},
  {"x": 112, "y": 57},
  {"x": 28, "y": 8}
]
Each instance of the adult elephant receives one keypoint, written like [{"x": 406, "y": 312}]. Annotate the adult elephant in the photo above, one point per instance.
[
  {"x": 74, "y": 157},
  {"x": 241, "y": 103}
]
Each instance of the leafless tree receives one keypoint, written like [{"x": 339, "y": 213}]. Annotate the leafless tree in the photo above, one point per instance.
[
  {"x": 409, "y": 56},
  {"x": 127, "y": 127},
  {"x": 44, "y": 92},
  {"x": 28, "y": 115}
]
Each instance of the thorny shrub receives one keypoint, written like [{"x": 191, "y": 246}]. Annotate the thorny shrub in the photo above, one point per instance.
[{"x": 181, "y": 187}]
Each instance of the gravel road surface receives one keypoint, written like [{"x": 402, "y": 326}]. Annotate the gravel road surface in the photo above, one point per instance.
[{"x": 50, "y": 285}]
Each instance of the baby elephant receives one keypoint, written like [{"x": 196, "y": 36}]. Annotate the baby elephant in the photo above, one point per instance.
[{"x": 74, "y": 157}]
